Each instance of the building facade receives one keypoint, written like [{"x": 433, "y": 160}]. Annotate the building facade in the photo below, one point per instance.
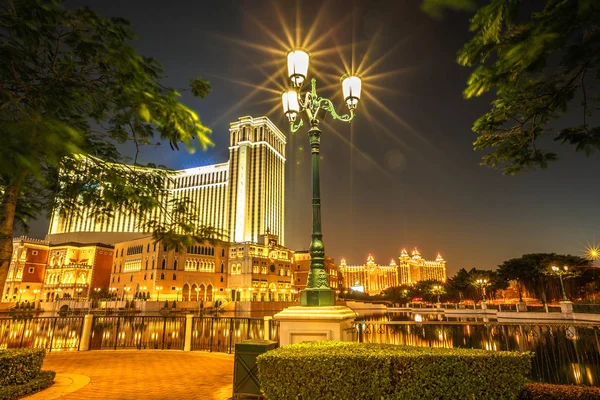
[
  {"x": 74, "y": 270},
  {"x": 260, "y": 271},
  {"x": 372, "y": 278},
  {"x": 302, "y": 266},
  {"x": 414, "y": 268},
  {"x": 26, "y": 270},
  {"x": 242, "y": 198},
  {"x": 195, "y": 273}
]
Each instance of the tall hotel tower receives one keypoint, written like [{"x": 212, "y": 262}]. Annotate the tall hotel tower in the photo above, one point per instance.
[{"x": 243, "y": 197}]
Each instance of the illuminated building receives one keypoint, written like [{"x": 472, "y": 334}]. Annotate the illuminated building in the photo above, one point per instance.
[
  {"x": 302, "y": 266},
  {"x": 243, "y": 197},
  {"x": 26, "y": 270},
  {"x": 370, "y": 277},
  {"x": 195, "y": 273},
  {"x": 260, "y": 271},
  {"x": 414, "y": 268},
  {"x": 75, "y": 269},
  {"x": 373, "y": 278}
]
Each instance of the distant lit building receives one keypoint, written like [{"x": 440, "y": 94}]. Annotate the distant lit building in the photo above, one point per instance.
[
  {"x": 26, "y": 270},
  {"x": 414, "y": 268},
  {"x": 243, "y": 197},
  {"x": 194, "y": 273},
  {"x": 370, "y": 278},
  {"x": 373, "y": 278},
  {"x": 74, "y": 270},
  {"x": 302, "y": 266},
  {"x": 260, "y": 271}
]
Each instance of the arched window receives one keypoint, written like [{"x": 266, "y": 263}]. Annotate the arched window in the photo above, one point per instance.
[
  {"x": 222, "y": 268},
  {"x": 130, "y": 278},
  {"x": 221, "y": 279},
  {"x": 174, "y": 277},
  {"x": 175, "y": 265},
  {"x": 118, "y": 279},
  {"x": 146, "y": 264},
  {"x": 164, "y": 264},
  {"x": 223, "y": 253},
  {"x": 162, "y": 276}
]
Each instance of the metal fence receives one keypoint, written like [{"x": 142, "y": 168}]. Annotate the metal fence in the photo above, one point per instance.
[
  {"x": 222, "y": 333},
  {"x": 50, "y": 333},
  {"x": 136, "y": 332}
]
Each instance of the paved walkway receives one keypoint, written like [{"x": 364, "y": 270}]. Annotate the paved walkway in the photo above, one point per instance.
[{"x": 138, "y": 374}]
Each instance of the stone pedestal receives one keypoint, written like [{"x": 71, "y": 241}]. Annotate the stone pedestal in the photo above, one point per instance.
[
  {"x": 521, "y": 306},
  {"x": 86, "y": 333},
  {"x": 301, "y": 324},
  {"x": 566, "y": 307},
  {"x": 484, "y": 305}
]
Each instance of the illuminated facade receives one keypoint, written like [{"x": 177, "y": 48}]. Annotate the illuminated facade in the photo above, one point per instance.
[
  {"x": 75, "y": 269},
  {"x": 26, "y": 270},
  {"x": 260, "y": 271},
  {"x": 370, "y": 277},
  {"x": 243, "y": 198},
  {"x": 373, "y": 278},
  {"x": 195, "y": 273},
  {"x": 414, "y": 268}
]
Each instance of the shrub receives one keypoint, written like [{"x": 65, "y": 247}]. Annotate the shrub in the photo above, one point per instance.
[
  {"x": 41, "y": 381},
  {"x": 19, "y": 366},
  {"x": 166, "y": 304},
  {"x": 545, "y": 391},
  {"x": 346, "y": 370}
]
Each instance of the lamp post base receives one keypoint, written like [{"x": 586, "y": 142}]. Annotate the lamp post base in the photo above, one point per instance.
[{"x": 317, "y": 297}]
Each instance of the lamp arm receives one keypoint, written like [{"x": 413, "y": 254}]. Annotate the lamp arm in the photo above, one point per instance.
[
  {"x": 327, "y": 105},
  {"x": 294, "y": 127}
]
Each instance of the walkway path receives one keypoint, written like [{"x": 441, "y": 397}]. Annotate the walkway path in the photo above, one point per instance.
[{"x": 139, "y": 374}]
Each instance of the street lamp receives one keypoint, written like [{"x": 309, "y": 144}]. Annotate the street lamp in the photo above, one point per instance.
[
  {"x": 21, "y": 291},
  {"x": 482, "y": 283},
  {"x": 560, "y": 273},
  {"x": 158, "y": 289},
  {"x": 79, "y": 290},
  {"x": 35, "y": 293},
  {"x": 317, "y": 292},
  {"x": 177, "y": 290},
  {"x": 437, "y": 290}
]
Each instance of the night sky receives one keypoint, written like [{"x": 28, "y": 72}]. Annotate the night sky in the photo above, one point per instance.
[{"x": 404, "y": 174}]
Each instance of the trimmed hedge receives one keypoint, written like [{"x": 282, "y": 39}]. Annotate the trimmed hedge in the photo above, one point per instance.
[
  {"x": 19, "y": 366},
  {"x": 545, "y": 391},
  {"x": 347, "y": 370},
  {"x": 40, "y": 382}
]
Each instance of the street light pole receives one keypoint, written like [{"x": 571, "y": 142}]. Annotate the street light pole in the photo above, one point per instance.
[
  {"x": 560, "y": 273},
  {"x": 317, "y": 292}
]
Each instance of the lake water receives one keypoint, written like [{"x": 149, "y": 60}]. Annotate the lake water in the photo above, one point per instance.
[{"x": 567, "y": 353}]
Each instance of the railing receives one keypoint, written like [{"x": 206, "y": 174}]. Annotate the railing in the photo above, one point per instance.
[
  {"x": 135, "y": 332},
  {"x": 564, "y": 353},
  {"x": 586, "y": 308},
  {"x": 50, "y": 333},
  {"x": 220, "y": 334}
]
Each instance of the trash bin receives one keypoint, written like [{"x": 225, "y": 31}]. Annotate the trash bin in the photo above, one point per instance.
[{"x": 245, "y": 371}]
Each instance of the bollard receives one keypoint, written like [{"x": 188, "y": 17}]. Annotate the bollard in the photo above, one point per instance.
[
  {"x": 86, "y": 333},
  {"x": 187, "y": 344},
  {"x": 267, "y": 328}
]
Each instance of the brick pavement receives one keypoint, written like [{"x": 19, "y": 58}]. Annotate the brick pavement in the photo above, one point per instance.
[{"x": 146, "y": 374}]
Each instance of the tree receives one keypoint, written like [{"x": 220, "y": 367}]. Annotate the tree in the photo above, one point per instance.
[
  {"x": 539, "y": 61},
  {"x": 533, "y": 272},
  {"x": 71, "y": 91}
]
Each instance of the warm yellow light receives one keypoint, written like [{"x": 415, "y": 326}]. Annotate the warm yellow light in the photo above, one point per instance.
[
  {"x": 351, "y": 87},
  {"x": 297, "y": 67},
  {"x": 554, "y": 268},
  {"x": 291, "y": 106}
]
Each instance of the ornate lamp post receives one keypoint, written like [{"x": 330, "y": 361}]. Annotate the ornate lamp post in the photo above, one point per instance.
[
  {"x": 35, "y": 293},
  {"x": 560, "y": 273},
  {"x": 317, "y": 292},
  {"x": 158, "y": 289}
]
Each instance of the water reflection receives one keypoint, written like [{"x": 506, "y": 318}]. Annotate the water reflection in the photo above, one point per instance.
[{"x": 564, "y": 353}]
